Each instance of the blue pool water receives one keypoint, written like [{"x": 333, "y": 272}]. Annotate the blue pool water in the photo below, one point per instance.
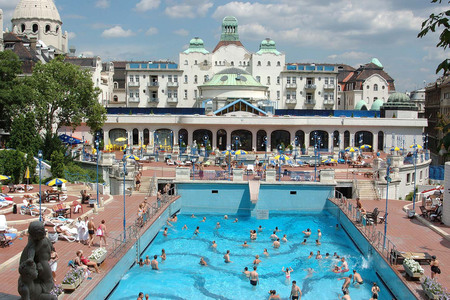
[{"x": 182, "y": 277}]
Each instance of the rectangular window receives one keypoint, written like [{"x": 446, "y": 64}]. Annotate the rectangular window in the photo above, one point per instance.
[
  {"x": 136, "y": 78},
  {"x": 185, "y": 94},
  {"x": 169, "y": 94},
  {"x": 294, "y": 79},
  {"x": 331, "y": 80},
  {"x": 214, "y": 191},
  {"x": 288, "y": 80},
  {"x": 288, "y": 95},
  {"x": 325, "y": 80},
  {"x": 268, "y": 94},
  {"x": 309, "y": 96},
  {"x": 131, "y": 95},
  {"x": 195, "y": 94},
  {"x": 278, "y": 79},
  {"x": 175, "y": 78},
  {"x": 294, "y": 96},
  {"x": 408, "y": 178},
  {"x": 268, "y": 79},
  {"x": 169, "y": 78},
  {"x": 131, "y": 78},
  {"x": 278, "y": 95},
  {"x": 293, "y": 192},
  {"x": 175, "y": 93},
  {"x": 185, "y": 79},
  {"x": 331, "y": 96},
  {"x": 258, "y": 78},
  {"x": 325, "y": 97}
]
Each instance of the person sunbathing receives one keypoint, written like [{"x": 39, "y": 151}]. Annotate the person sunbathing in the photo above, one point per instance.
[
  {"x": 81, "y": 260},
  {"x": 63, "y": 229}
]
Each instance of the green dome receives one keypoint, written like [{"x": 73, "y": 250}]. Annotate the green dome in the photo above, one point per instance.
[
  {"x": 398, "y": 98},
  {"x": 268, "y": 46},
  {"x": 377, "y": 104},
  {"x": 196, "y": 41},
  {"x": 361, "y": 105},
  {"x": 375, "y": 61},
  {"x": 230, "y": 20},
  {"x": 233, "y": 77},
  {"x": 196, "y": 45}
]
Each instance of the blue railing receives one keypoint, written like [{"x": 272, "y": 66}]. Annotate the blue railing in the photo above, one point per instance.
[
  {"x": 154, "y": 110},
  {"x": 327, "y": 113}
]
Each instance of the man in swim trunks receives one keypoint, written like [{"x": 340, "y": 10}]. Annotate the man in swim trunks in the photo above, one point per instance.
[
  {"x": 246, "y": 272},
  {"x": 346, "y": 284},
  {"x": 357, "y": 279},
  {"x": 245, "y": 245},
  {"x": 274, "y": 236},
  {"x": 276, "y": 244},
  {"x": 214, "y": 245},
  {"x": 154, "y": 263},
  {"x": 254, "y": 277},
  {"x": 344, "y": 266},
  {"x": 91, "y": 231},
  {"x": 203, "y": 262},
  {"x": 257, "y": 260},
  {"x": 307, "y": 232},
  {"x": 227, "y": 257},
  {"x": 434, "y": 267},
  {"x": 296, "y": 293},
  {"x": 346, "y": 295},
  {"x": 217, "y": 225}
]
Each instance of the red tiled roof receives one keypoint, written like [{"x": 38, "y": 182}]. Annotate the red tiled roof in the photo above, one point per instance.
[{"x": 226, "y": 43}]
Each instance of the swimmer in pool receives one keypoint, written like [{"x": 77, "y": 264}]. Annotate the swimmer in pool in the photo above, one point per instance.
[
  {"x": 257, "y": 260},
  {"x": 245, "y": 245},
  {"x": 246, "y": 272},
  {"x": 327, "y": 255},
  {"x": 165, "y": 231},
  {"x": 319, "y": 234},
  {"x": 265, "y": 252},
  {"x": 284, "y": 239},
  {"x": 344, "y": 266},
  {"x": 253, "y": 234},
  {"x": 147, "y": 260},
  {"x": 260, "y": 229},
  {"x": 276, "y": 244},
  {"x": 225, "y": 217},
  {"x": 214, "y": 245},
  {"x": 311, "y": 254},
  {"x": 217, "y": 225},
  {"x": 203, "y": 262},
  {"x": 287, "y": 271},
  {"x": 318, "y": 255},
  {"x": 163, "y": 254},
  {"x": 336, "y": 269},
  {"x": 227, "y": 257},
  {"x": 304, "y": 242},
  {"x": 357, "y": 279},
  {"x": 254, "y": 277},
  {"x": 307, "y": 232},
  {"x": 318, "y": 243},
  {"x": 197, "y": 230},
  {"x": 277, "y": 230},
  {"x": 235, "y": 220},
  {"x": 273, "y": 236},
  {"x": 204, "y": 220},
  {"x": 184, "y": 227}
]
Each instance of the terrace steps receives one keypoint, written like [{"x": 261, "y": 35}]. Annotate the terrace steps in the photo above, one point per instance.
[{"x": 366, "y": 190}]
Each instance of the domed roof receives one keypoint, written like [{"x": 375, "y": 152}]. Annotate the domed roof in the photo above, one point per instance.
[
  {"x": 376, "y": 105},
  {"x": 268, "y": 46},
  {"x": 398, "y": 98},
  {"x": 375, "y": 61},
  {"x": 233, "y": 77},
  {"x": 361, "y": 105},
  {"x": 234, "y": 71},
  {"x": 196, "y": 45},
  {"x": 36, "y": 9},
  {"x": 229, "y": 20}
]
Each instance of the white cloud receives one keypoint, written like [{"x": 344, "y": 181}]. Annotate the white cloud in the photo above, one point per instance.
[
  {"x": 181, "y": 32},
  {"x": 145, "y": 5},
  {"x": 100, "y": 26},
  {"x": 434, "y": 54},
  {"x": 192, "y": 9},
  {"x": 117, "y": 32},
  {"x": 102, "y": 3},
  {"x": 350, "y": 55},
  {"x": 87, "y": 54},
  {"x": 71, "y": 35},
  {"x": 152, "y": 31}
]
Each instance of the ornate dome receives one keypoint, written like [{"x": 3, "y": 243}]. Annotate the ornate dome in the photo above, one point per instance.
[
  {"x": 399, "y": 101},
  {"x": 377, "y": 104},
  {"x": 230, "y": 20},
  {"x": 268, "y": 46},
  {"x": 36, "y": 9},
  {"x": 398, "y": 98},
  {"x": 196, "y": 45}
]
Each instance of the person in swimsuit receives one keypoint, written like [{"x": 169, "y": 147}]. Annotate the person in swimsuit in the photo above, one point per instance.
[
  {"x": 318, "y": 255},
  {"x": 140, "y": 296},
  {"x": 184, "y": 227},
  {"x": 318, "y": 243},
  {"x": 357, "y": 279},
  {"x": 265, "y": 252},
  {"x": 273, "y": 236},
  {"x": 273, "y": 295},
  {"x": 154, "y": 263},
  {"x": 197, "y": 230},
  {"x": 311, "y": 254},
  {"x": 163, "y": 254},
  {"x": 284, "y": 239},
  {"x": 347, "y": 281},
  {"x": 296, "y": 293},
  {"x": 203, "y": 262},
  {"x": 375, "y": 289},
  {"x": 304, "y": 242},
  {"x": 140, "y": 262},
  {"x": 319, "y": 234},
  {"x": 344, "y": 266},
  {"x": 204, "y": 220},
  {"x": 245, "y": 245},
  {"x": 276, "y": 244},
  {"x": 307, "y": 232},
  {"x": 253, "y": 234},
  {"x": 235, "y": 220},
  {"x": 101, "y": 233},
  {"x": 246, "y": 272},
  {"x": 53, "y": 262},
  {"x": 147, "y": 260},
  {"x": 288, "y": 272},
  {"x": 260, "y": 229},
  {"x": 434, "y": 267},
  {"x": 80, "y": 259},
  {"x": 227, "y": 257},
  {"x": 257, "y": 260},
  {"x": 91, "y": 231},
  {"x": 165, "y": 231},
  {"x": 327, "y": 255},
  {"x": 217, "y": 225},
  {"x": 214, "y": 245},
  {"x": 254, "y": 277}
]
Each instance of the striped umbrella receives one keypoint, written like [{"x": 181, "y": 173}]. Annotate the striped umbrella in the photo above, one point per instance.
[
  {"x": 282, "y": 157},
  {"x": 4, "y": 177},
  {"x": 365, "y": 146},
  {"x": 56, "y": 181},
  {"x": 121, "y": 139},
  {"x": 351, "y": 149},
  {"x": 228, "y": 152},
  {"x": 396, "y": 148},
  {"x": 329, "y": 161},
  {"x": 131, "y": 156},
  {"x": 241, "y": 152},
  {"x": 416, "y": 146}
]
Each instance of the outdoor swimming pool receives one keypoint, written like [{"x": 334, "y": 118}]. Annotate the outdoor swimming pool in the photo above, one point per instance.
[{"x": 182, "y": 277}]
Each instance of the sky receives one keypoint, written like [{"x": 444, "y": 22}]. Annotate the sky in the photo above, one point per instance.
[{"x": 319, "y": 31}]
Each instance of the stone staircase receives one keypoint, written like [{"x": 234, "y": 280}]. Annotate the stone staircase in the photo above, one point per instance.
[
  {"x": 366, "y": 190},
  {"x": 145, "y": 185}
]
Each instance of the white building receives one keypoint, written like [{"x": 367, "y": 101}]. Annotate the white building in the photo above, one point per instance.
[{"x": 40, "y": 19}]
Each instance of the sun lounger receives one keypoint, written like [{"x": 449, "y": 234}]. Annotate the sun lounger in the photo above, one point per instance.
[
  {"x": 3, "y": 226},
  {"x": 4, "y": 241}
]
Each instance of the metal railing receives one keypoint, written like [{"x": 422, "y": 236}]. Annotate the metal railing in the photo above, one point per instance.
[
  {"x": 376, "y": 238},
  {"x": 133, "y": 231},
  {"x": 376, "y": 185}
]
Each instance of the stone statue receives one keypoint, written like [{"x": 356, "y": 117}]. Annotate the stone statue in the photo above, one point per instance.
[{"x": 36, "y": 281}]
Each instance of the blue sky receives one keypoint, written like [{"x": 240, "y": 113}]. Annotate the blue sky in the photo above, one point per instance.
[{"x": 340, "y": 31}]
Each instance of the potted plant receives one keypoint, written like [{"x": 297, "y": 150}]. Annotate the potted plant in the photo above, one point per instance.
[
  {"x": 433, "y": 289},
  {"x": 412, "y": 268},
  {"x": 98, "y": 255},
  {"x": 72, "y": 279},
  {"x": 57, "y": 291}
]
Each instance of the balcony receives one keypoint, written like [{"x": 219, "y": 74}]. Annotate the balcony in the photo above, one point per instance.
[
  {"x": 134, "y": 100},
  {"x": 329, "y": 86},
  {"x": 310, "y": 102},
  {"x": 172, "y": 100},
  {"x": 310, "y": 86},
  {"x": 172, "y": 84},
  {"x": 291, "y": 85},
  {"x": 154, "y": 85},
  {"x": 133, "y": 84},
  {"x": 328, "y": 102},
  {"x": 291, "y": 101},
  {"x": 153, "y": 100}
]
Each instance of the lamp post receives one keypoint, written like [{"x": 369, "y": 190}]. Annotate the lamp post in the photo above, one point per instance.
[
  {"x": 280, "y": 153},
  {"x": 265, "y": 148},
  {"x": 40, "y": 178},
  {"x": 415, "y": 174},
  {"x": 205, "y": 141},
  {"x": 384, "y": 141},
  {"x": 237, "y": 142},
  {"x": 316, "y": 138},
  {"x": 295, "y": 147},
  {"x": 180, "y": 141},
  {"x": 388, "y": 180},
  {"x": 156, "y": 149},
  {"x": 97, "y": 137},
  {"x": 82, "y": 158},
  {"x": 425, "y": 143},
  {"x": 124, "y": 159}
]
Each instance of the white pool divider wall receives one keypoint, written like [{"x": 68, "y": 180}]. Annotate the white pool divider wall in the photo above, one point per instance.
[{"x": 446, "y": 205}]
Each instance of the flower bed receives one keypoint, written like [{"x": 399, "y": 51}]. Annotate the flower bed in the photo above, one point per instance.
[
  {"x": 73, "y": 279},
  {"x": 57, "y": 291},
  {"x": 412, "y": 268},
  {"x": 98, "y": 255},
  {"x": 433, "y": 289}
]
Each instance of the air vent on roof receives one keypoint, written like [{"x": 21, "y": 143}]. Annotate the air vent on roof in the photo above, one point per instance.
[{"x": 224, "y": 78}]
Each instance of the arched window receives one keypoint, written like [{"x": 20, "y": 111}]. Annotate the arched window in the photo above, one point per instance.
[
  {"x": 380, "y": 140},
  {"x": 232, "y": 63},
  {"x": 261, "y": 140},
  {"x": 278, "y": 64},
  {"x": 47, "y": 28},
  {"x": 268, "y": 63},
  {"x": 336, "y": 139},
  {"x": 135, "y": 136},
  {"x": 195, "y": 78},
  {"x": 35, "y": 28},
  {"x": 146, "y": 137},
  {"x": 241, "y": 139},
  {"x": 280, "y": 139},
  {"x": 346, "y": 139},
  {"x": 318, "y": 138},
  {"x": 259, "y": 63},
  {"x": 363, "y": 138},
  {"x": 206, "y": 78},
  {"x": 57, "y": 29},
  {"x": 186, "y": 62},
  {"x": 115, "y": 98},
  {"x": 375, "y": 87},
  {"x": 116, "y": 85},
  {"x": 221, "y": 140},
  {"x": 22, "y": 27},
  {"x": 183, "y": 138},
  {"x": 185, "y": 79},
  {"x": 195, "y": 62},
  {"x": 300, "y": 139}
]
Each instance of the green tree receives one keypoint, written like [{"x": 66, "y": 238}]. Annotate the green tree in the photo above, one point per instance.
[
  {"x": 12, "y": 163},
  {"x": 24, "y": 136},
  {"x": 436, "y": 21},
  {"x": 57, "y": 163},
  {"x": 64, "y": 95}
]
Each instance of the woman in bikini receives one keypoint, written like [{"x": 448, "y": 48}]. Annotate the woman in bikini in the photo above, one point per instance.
[
  {"x": 101, "y": 233},
  {"x": 81, "y": 260}
]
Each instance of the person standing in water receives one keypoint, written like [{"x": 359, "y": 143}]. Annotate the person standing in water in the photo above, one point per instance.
[
  {"x": 296, "y": 293},
  {"x": 254, "y": 277}
]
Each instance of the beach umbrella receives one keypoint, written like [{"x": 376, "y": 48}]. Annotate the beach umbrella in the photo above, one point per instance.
[
  {"x": 121, "y": 139},
  {"x": 396, "y": 148},
  {"x": 351, "y": 149},
  {"x": 4, "y": 177},
  {"x": 282, "y": 157},
  {"x": 131, "y": 156},
  {"x": 329, "y": 161},
  {"x": 228, "y": 152},
  {"x": 56, "y": 181},
  {"x": 240, "y": 152},
  {"x": 416, "y": 146},
  {"x": 365, "y": 146}
]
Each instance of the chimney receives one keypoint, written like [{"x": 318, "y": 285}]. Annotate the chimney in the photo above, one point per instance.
[{"x": 33, "y": 42}]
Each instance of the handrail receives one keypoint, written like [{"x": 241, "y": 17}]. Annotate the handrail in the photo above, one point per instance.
[
  {"x": 376, "y": 185},
  {"x": 355, "y": 188}
]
